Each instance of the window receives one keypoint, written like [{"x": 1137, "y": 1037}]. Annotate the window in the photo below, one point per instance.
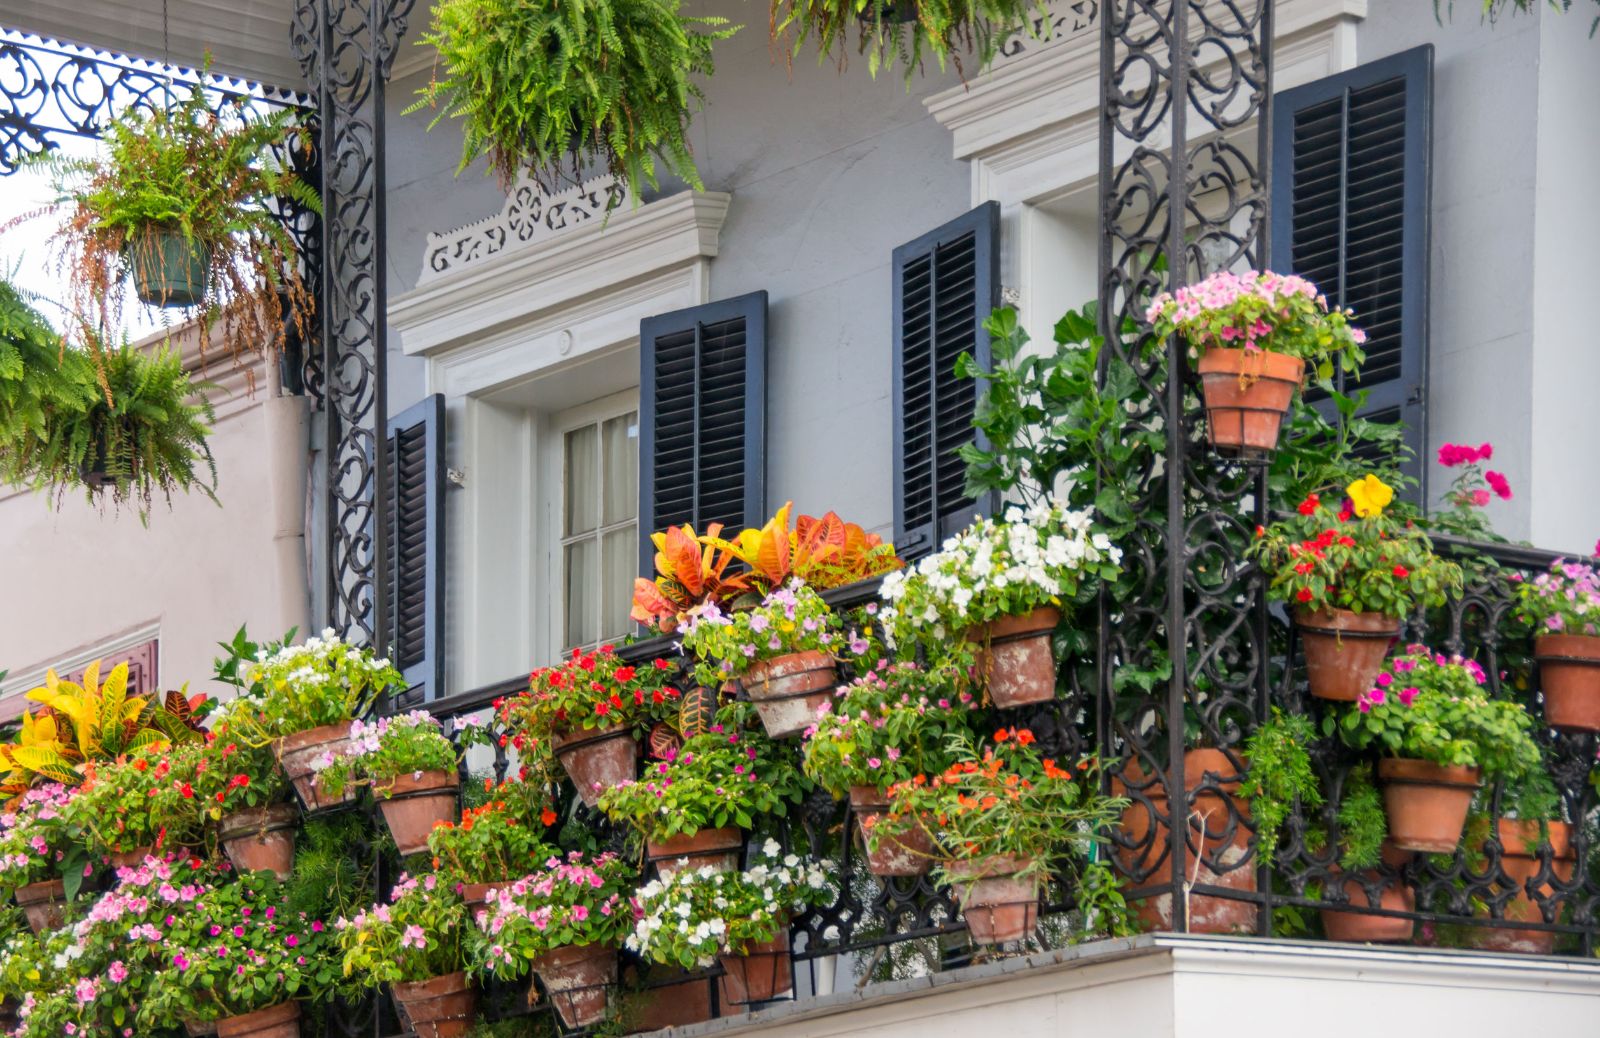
[
  {"x": 599, "y": 528},
  {"x": 1350, "y": 201}
]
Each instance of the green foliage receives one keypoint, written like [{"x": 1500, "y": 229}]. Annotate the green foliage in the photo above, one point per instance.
[
  {"x": 216, "y": 178},
  {"x": 496, "y": 839},
  {"x": 40, "y": 380},
  {"x": 1279, "y": 776},
  {"x": 420, "y": 933},
  {"x": 942, "y": 29},
  {"x": 293, "y": 688},
  {"x": 328, "y": 882},
  {"x": 722, "y": 778},
  {"x": 1433, "y": 708},
  {"x": 1317, "y": 453},
  {"x": 1363, "y": 823},
  {"x": 552, "y": 86}
]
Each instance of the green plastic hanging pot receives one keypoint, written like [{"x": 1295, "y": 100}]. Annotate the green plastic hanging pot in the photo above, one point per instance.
[{"x": 169, "y": 270}]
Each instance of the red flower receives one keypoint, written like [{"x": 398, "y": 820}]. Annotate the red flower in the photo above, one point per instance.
[
  {"x": 1401, "y": 572},
  {"x": 1024, "y": 737},
  {"x": 1310, "y": 505},
  {"x": 601, "y": 709},
  {"x": 625, "y": 674},
  {"x": 547, "y": 816},
  {"x": 1002, "y": 735},
  {"x": 1348, "y": 511},
  {"x": 141, "y": 764},
  {"x": 1304, "y": 595},
  {"x": 1304, "y": 568},
  {"x": 187, "y": 791},
  {"x": 661, "y": 664}
]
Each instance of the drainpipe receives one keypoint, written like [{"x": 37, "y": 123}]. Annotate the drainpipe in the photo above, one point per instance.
[{"x": 288, "y": 436}]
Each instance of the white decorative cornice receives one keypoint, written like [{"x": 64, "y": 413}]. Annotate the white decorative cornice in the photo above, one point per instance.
[
  {"x": 558, "y": 272},
  {"x": 529, "y": 217}
]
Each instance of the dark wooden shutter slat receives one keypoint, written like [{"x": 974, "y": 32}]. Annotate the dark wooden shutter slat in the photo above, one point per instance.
[
  {"x": 946, "y": 283},
  {"x": 702, "y": 420},
  {"x": 1350, "y": 211},
  {"x": 414, "y": 569}
]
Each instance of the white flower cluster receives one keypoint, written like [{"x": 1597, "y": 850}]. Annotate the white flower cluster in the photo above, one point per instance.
[
  {"x": 314, "y": 662},
  {"x": 702, "y": 910},
  {"x": 1038, "y": 551}
]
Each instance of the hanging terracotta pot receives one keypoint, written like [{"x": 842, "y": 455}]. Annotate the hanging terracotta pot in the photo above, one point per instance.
[
  {"x": 1217, "y": 834},
  {"x": 168, "y": 268},
  {"x": 279, "y": 1021},
  {"x": 1519, "y": 859},
  {"x": 789, "y": 690},
  {"x": 1358, "y": 924},
  {"x": 296, "y": 754},
  {"x": 764, "y": 972},
  {"x": 44, "y": 903},
  {"x": 441, "y": 1007},
  {"x": 1569, "y": 679},
  {"x": 577, "y": 979},
  {"x": 1247, "y": 395},
  {"x": 476, "y": 895},
  {"x": 130, "y": 859},
  {"x": 199, "y": 1028},
  {"x": 260, "y": 839},
  {"x": 718, "y": 848},
  {"x": 1015, "y": 659},
  {"x": 1345, "y": 650},
  {"x": 999, "y": 906},
  {"x": 908, "y": 853},
  {"x": 1426, "y": 803},
  {"x": 677, "y": 1003},
  {"x": 597, "y": 759},
  {"x": 413, "y": 804}
]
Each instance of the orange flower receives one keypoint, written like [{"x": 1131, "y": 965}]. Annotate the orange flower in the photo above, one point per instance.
[
  {"x": 1002, "y": 735},
  {"x": 547, "y": 816},
  {"x": 1025, "y": 737},
  {"x": 988, "y": 802}
]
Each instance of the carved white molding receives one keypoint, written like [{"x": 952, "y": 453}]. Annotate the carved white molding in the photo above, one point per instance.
[
  {"x": 560, "y": 272},
  {"x": 530, "y": 217}
]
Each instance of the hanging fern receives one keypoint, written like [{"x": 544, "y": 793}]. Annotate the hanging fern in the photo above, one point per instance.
[
  {"x": 40, "y": 381},
  {"x": 905, "y": 31},
  {"x": 549, "y": 85}
]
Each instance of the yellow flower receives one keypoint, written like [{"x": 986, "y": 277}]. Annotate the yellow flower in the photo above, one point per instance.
[{"x": 1369, "y": 495}]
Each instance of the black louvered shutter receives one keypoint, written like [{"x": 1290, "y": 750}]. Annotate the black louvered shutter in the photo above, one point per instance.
[
  {"x": 946, "y": 283},
  {"x": 702, "y": 418},
  {"x": 1350, "y": 211},
  {"x": 415, "y": 570}
]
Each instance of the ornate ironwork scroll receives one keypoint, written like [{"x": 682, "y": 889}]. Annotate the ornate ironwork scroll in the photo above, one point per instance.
[
  {"x": 346, "y": 48},
  {"x": 1183, "y": 192}
]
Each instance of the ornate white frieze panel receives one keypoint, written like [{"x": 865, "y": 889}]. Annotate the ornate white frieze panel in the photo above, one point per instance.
[{"x": 530, "y": 216}]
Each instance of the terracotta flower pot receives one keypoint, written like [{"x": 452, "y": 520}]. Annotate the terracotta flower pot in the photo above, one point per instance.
[
  {"x": 999, "y": 906},
  {"x": 673, "y": 1004},
  {"x": 908, "y": 853},
  {"x": 597, "y": 759},
  {"x": 718, "y": 848},
  {"x": 1344, "y": 650},
  {"x": 199, "y": 1028},
  {"x": 1216, "y": 834},
  {"x": 1519, "y": 860},
  {"x": 789, "y": 690},
  {"x": 130, "y": 859},
  {"x": 764, "y": 972},
  {"x": 1569, "y": 678},
  {"x": 44, "y": 903},
  {"x": 441, "y": 1007},
  {"x": 1015, "y": 658},
  {"x": 260, "y": 839},
  {"x": 1426, "y": 803},
  {"x": 1357, "y": 924},
  {"x": 414, "y": 804},
  {"x": 577, "y": 978},
  {"x": 279, "y": 1021},
  {"x": 476, "y": 895},
  {"x": 1246, "y": 396},
  {"x": 168, "y": 269},
  {"x": 296, "y": 754}
]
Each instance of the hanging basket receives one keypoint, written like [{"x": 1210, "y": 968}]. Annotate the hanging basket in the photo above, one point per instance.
[
  {"x": 45, "y": 905},
  {"x": 1247, "y": 394},
  {"x": 413, "y": 805},
  {"x": 577, "y": 979},
  {"x": 1569, "y": 679},
  {"x": 908, "y": 853},
  {"x": 440, "y": 1007},
  {"x": 279, "y": 1021},
  {"x": 260, "y": 839},
  {"x": 999, "y": 906},
  {"x": 1015, "y": 659},
  {"x": 764, "y": 972},
  {"x": 1426, "y": 803},
  {"x": 1520, "y": 841},
  {"x": 789, "y": 690},
  {"x": 597, "y": 759},
  {"x": 1344, "y": 650},
  {"x": 297, "y": 752},
  {"x": 169, "y": 270},
  {"x": 1357, "y": 923}
]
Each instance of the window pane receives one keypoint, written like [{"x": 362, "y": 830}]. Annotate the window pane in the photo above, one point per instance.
[
  {"x": 620, "y": 558},
  {"x": 582, "y": 592},
  {"x": 581, "y": 485},
  {"x": 620, "y": 439}
]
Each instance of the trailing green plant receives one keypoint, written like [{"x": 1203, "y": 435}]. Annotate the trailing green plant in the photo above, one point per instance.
[
  {"x": 217, "y": 176},
  {"x": 1279, "y": 776},
  {"x": 908, "y": 31},
  {"x": 1363, "y": 822},
  {"x": 328, "y": 882},
  {"x": 553, "y": 87},
  {"x": 41, "y": 379}
]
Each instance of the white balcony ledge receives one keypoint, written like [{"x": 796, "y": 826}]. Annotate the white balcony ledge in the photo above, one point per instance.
[{"x": 1175, "y": 986}]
